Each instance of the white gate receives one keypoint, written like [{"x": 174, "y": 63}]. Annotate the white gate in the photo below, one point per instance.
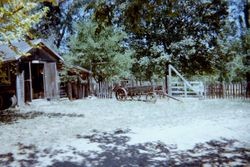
[{"x": 179, "y": 86}]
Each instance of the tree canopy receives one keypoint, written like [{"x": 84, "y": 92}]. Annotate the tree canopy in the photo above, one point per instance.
[
  {"x": 180, "y": 32},
  {"x": 17, "y": 17},
  {"x": 189, "y": 34},
  {"x": 59, "y": 20},
  {"x": 103, "y": 52}
]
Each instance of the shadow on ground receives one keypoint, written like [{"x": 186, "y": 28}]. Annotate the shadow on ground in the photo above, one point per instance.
[
  {"x": 12, "y": 116},
  {"x": 115, "y": 151}
]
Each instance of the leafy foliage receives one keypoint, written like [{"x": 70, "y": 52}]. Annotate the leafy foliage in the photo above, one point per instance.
[
  {"x": 17, "y": 17},
  {"x": 230, "y": 54},
  {"x": 102, "y": 52},
  {"x": 59, "y": 20},
  {"x": 184, "y": 31},
  {"x": 238, "y": 67}
]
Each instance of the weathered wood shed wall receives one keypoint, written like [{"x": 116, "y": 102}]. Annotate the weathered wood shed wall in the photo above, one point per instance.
[
  {"x": 36, "y": 72},
  {"x": 77, "y": 86}
]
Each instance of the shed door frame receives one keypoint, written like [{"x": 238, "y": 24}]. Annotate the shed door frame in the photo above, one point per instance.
[{"x": 28, "y": 81}]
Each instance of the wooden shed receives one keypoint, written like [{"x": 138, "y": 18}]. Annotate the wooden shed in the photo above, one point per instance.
[
  {"x": 31, "y": 70},
  {"x": 77, "y": 82}
]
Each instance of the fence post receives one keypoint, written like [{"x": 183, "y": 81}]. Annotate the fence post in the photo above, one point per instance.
[
  {"x": 185, "y": 89},
  {"x": 164, "y": 86},
  {"x": 99, "y": 90},
  {"x": 223, "y": 89},
  {"x": 205, "y": 90},
  {"x": 233, "y": 90},
  {"x": 169, "y": 81},
  {"x": 241, "y": 90},
  {"x": 169, "y": 86}
]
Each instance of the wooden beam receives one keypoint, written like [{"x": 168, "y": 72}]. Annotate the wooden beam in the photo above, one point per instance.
[{"x": 20, "y": 89}]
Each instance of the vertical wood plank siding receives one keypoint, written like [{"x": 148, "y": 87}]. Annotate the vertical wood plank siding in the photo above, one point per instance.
[{"x": 51, "y": 81}]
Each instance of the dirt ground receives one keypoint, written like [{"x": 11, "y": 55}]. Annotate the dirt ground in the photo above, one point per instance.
[{"x": 106, "y": 132}]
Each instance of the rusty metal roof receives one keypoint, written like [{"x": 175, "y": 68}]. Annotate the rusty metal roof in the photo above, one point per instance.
[{"x": 17, "y": 49}]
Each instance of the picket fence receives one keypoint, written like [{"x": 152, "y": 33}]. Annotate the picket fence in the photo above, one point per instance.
[{"x": 228, "y": 90}]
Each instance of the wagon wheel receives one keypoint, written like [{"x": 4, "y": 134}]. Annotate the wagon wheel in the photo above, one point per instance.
[
  {"x": 121, "y": 94},
  {"x": 151, "y": 97}
]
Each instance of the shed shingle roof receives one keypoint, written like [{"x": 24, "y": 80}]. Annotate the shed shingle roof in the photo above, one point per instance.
[{"x": 8, "y": 53}]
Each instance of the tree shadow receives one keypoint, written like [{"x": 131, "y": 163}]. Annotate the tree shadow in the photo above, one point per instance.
[
  {"x": 115, "y": 150},
  {"x": 12, "y": 116}
]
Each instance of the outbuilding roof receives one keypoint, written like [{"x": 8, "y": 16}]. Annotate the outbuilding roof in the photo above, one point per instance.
[
  {"x": 77, "y": 69},
  {"x": 17, "y": 49}
]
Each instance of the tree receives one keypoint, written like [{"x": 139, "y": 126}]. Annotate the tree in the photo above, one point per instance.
[
  {"x": 103, "y": 52},
  {"x": 59, "y": 20},
  {"x": 228, "y": 60},
  {"x": 17, "y": 17},
  {"x": 246, "y": 49},
  {"x": 185, "y": 31},
  {"x": 230, "y": 55}
]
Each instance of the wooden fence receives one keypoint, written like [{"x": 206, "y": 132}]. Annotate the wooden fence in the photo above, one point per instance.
[
  {"x": 211, "y": 91},
  {"x": 103, "y": 90},
  {"x": 228, "y": 90}
]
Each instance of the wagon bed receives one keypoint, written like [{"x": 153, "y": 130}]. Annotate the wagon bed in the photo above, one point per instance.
[{"x": 145, "y": 93}]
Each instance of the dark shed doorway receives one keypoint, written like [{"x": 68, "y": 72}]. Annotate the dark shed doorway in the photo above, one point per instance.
[{"x": 37, "y": 70}]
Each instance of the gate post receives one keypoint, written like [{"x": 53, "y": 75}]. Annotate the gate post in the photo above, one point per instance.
[
  {"x": 169, "y": 80},
  {"x": 185, "y": 89}
]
